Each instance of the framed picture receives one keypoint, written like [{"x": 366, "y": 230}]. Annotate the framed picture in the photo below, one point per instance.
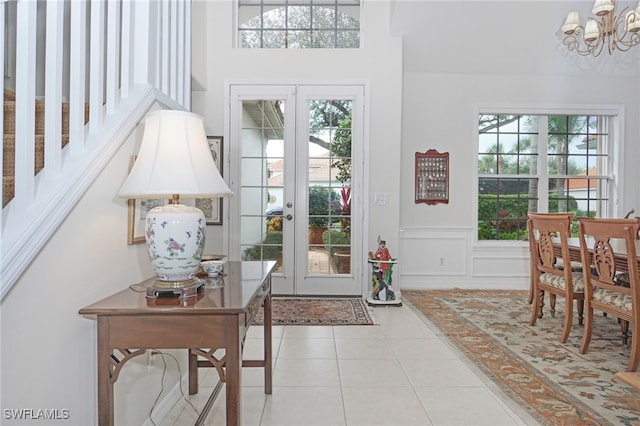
[
  {"x": 137, "y": 215},
  {"x": 212, "y": 207}
]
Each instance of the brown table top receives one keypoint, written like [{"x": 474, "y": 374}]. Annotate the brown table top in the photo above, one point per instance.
[{"x": 229, "y": 293}]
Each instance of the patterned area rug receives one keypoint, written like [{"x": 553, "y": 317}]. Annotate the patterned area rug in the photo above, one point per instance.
[
  {"x": 317, "y": 311},
  {"x": 553, "y": 382}
]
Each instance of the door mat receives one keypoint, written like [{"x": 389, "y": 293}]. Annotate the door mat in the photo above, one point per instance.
[{"x": 317, "y": 311}]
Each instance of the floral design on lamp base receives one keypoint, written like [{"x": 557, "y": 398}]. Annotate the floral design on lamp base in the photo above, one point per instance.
[{"x": 175, "y": 236}]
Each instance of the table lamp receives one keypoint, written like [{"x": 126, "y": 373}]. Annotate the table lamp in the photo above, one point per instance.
[{"x": 174, "y": 162}]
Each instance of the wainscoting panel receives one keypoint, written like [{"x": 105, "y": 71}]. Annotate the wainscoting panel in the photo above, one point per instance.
[
  {"x": 444, "y": 255},
  {"x": 434, "y": 252},
  {"x": 450, "y": 257},
  {"x": 511, "y": 264}
]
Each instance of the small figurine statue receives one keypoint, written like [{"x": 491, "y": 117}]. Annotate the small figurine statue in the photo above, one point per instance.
[{"x": 382, "y": 289}]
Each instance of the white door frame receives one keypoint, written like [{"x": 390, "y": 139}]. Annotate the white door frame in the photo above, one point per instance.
[{"x": 231, "y": 148}]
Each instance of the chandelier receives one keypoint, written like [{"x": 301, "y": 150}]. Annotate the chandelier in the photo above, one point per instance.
[{"x": 616, "y": 31}]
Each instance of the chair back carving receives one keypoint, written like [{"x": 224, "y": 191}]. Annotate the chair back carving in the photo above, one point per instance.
[
  {"x": 545, "y": 249},
  {"x": 606, "y": 267},
  {"x": 543, "y": 229},
  {"x": 603, "y": 260}
]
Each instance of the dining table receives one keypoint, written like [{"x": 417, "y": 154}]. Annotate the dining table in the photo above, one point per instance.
[{"x": 620, "y": 250}]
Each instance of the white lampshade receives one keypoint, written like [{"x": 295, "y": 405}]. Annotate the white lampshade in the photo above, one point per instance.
[
  {"x": 591, "y": 31},
  {"x": 603, "y": 7},
  {"x": 571, "y": 23},
  {"x": 174, "y": 161},
  {"x": 632, "y": 20},
  {"x": 174, "y": 158}
]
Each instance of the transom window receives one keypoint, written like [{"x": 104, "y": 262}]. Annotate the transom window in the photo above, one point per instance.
[
  {"x": 299, "y": 24},
  {"x": 541, "y": 163}
]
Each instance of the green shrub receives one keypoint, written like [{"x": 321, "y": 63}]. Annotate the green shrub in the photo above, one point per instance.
[
  {"x": 505, "y": 217},
  {"x": 486, "y": 231},
  {"x": 271, "y": 250},
  {"x": 322, "y": 203},
  {"x": 516, "y": 205},
  {"x": 336, "y": 241}
]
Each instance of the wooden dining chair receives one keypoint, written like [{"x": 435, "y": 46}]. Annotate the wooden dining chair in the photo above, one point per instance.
[
  {"x": 558, "y": 264},
  {"x": 609, "y": 245},
  {"x": 546, "y": 276}
]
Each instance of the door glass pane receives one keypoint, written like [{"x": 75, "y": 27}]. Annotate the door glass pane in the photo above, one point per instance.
[
  {"x": 261, "y": 180},
  {"x": 329, "y": 187},
  {"x": 248, "y": 207},
  {"x": 253, "y": 169}
]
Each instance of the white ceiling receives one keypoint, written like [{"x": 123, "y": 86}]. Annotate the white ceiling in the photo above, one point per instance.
[{"x": 498, "y": 37}]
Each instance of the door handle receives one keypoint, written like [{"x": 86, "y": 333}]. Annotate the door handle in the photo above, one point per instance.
[{"x": 289, "y": 216}]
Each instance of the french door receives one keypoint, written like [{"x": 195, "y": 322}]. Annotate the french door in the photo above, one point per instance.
[{"x": 296, "y": 155}]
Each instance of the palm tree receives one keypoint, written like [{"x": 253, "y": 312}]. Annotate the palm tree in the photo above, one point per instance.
[{"x": 560, "y": 129}]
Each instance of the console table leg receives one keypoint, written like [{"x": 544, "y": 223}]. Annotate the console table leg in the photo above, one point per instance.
[
  {"x": 105, "y": 387},
  {"x": 268, "y": 362},
  {"x": 193, "y": 373},
  {"x": 233, "y": 376}
]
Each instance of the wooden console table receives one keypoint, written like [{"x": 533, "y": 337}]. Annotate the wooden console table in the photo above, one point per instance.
[{"x": 129, "y": 324}]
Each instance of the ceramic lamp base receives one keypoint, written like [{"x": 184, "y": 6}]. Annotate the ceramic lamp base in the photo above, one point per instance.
[
  {"x": 164, "y": 284},
  {"x": 185, "y": 291},
  {"x": 175, "y": 236}
]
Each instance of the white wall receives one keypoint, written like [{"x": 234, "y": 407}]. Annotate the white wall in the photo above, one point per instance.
[{"x": 48, "y": 350}]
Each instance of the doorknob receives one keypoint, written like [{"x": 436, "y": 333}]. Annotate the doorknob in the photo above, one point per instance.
[{"x": 289, "y": 216}]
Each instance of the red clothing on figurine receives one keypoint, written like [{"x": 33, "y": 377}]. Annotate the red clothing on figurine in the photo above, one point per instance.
[{"x": 383, "y": 254}]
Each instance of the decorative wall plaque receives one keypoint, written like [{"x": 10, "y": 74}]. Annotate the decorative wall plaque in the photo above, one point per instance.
[{"x": 432, "y": 177}]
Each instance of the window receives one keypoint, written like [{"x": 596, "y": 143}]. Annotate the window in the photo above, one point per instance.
[
  {"x": 299, "y": 24},
  {"x": 541, "y": 163}
]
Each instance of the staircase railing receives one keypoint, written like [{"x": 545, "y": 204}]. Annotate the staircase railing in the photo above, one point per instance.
[{"x": 84, "y": 75}]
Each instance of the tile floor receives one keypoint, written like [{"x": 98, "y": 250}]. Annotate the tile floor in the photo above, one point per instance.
[{"x": 397, "y": 372}]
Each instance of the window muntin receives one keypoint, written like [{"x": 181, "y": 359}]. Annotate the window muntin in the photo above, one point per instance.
[
  {"x": 299, "y": 24},
  {"x": 523, "y": 169}
]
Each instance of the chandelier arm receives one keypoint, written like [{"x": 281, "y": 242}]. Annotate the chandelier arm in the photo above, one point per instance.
[
  {"x": 607, "y": 31},
  {"x": 621, "y": 41},
  {"x": 575, "y": 42}
]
